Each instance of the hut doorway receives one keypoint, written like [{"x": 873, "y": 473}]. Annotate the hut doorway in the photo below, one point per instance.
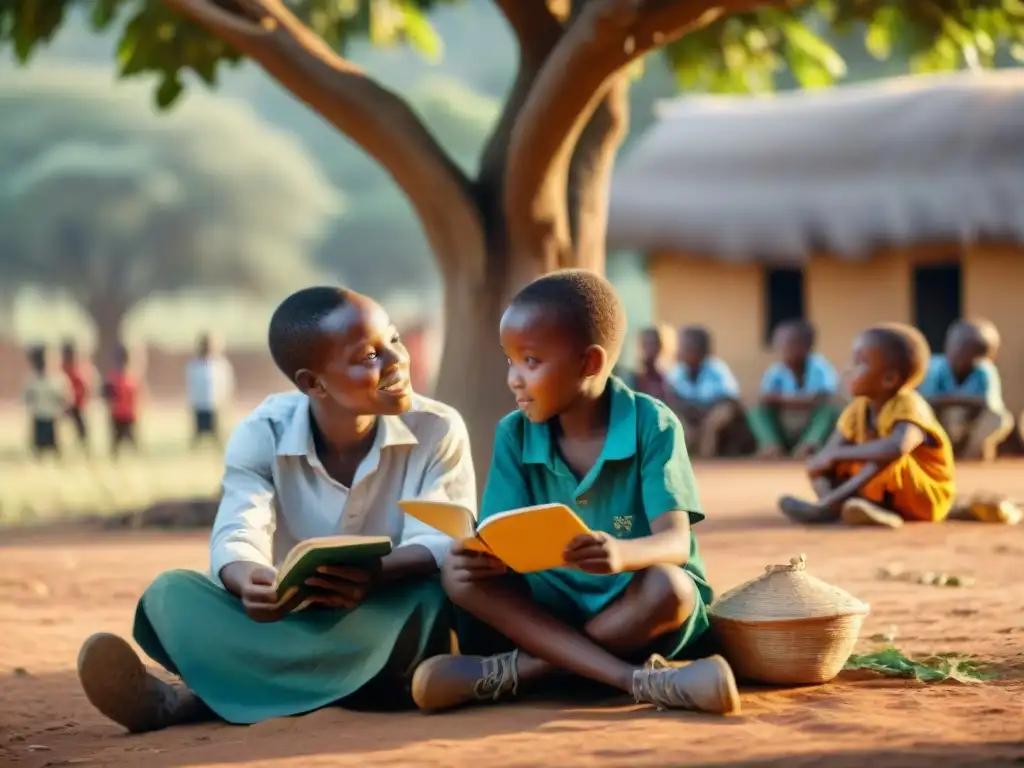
[{"x": 938, "y": 300}]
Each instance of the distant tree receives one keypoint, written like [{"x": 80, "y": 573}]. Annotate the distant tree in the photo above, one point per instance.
[
  {"x": 539, "y": 198},
  {"x": 108, "y": 202}
]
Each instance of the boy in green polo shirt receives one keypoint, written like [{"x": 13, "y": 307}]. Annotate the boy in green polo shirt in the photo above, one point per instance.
[{"x": 634, "y": 586}]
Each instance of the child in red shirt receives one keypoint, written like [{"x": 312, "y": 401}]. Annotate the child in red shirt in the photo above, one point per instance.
[
  {"x": 121, "y": 391},
  {"x": 77, "y": 373}
]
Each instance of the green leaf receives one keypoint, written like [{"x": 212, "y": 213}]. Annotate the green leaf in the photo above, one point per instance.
[
  {"x": 879, "y": 35},
  {"x": 420, "y": 34},
  {"x": 808, "y": 46},
  {"x": 809, "y": 73},
  {"x": 169, "y": 90},
  {"x": 930, "y": 669},
  {"x": 103, "y": 12},
  {"x": 207, "y": 70}
]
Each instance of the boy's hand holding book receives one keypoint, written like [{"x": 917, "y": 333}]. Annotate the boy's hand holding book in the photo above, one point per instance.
[
  {"x": 329, "y": 571},
  {"x": 255, "y": 586},
  {"x": 472, "y": 565},
  {"x": 595, "y": 552},
  {"x": 339, "y": 586}
]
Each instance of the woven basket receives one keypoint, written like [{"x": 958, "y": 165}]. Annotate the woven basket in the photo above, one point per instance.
[{"x": 787, "y": 627}]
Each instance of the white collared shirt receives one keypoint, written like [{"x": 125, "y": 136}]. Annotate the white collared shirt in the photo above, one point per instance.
[{"x": 277, "y": 493}]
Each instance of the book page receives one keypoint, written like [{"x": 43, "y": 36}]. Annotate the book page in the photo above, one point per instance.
[{"x": 451, "y": 519}]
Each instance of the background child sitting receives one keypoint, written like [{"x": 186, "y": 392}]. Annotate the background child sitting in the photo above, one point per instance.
[
  {"x": 964, "y": 388},
  {"x": 650, "y": 377},
  {"x": 706, "y": 396},
  {"x": 796, "y": 412},
  {"x": 889, "y": 459}
]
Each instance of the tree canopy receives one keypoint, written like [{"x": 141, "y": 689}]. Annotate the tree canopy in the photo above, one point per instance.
[
  {"x": 106, "y": 201},
  {"x": 735, "y": 52}
]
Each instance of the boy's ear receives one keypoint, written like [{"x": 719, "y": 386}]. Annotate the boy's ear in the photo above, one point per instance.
[
  {"x": 308, "y": 383},
  {"x": 594, "y": 360},
  {"x": 891, "y": 380}
]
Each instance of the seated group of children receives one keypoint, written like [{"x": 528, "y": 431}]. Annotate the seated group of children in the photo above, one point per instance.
[{"x": 799, "y": 401}]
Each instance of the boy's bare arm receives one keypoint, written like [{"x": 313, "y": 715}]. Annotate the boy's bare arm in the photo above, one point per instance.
[
  {"x": 958, "y": 401},
  {"x": 669, "y": 542},
  {"x": 905, "y": 438},
  {"x": 850, "y": 487}
]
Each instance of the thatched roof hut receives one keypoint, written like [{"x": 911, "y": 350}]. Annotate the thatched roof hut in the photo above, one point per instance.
[
  {"x": 896, "y": 200},
  {"x": 844, "y": 171}
]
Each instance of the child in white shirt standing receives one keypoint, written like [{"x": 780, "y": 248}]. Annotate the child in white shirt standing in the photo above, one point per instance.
[{"x": 210, "y": 381}]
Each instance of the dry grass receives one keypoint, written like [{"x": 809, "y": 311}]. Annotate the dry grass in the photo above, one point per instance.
[{"x": 166, "y": 468}]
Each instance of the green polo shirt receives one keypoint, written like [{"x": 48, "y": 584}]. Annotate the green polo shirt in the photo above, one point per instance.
[{"x": 643, "y": 472}]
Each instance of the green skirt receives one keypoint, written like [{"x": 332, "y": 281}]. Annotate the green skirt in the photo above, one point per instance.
[{"x": 246, "y": 671}]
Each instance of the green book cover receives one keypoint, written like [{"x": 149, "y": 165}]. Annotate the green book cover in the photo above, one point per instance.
[{"x": 300, "y": 566}]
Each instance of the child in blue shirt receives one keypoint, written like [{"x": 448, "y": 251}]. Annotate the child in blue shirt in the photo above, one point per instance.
[
  {"x": 965, "y": 391},
  {"x": 635, "y": 585},
  {"x": 796, "y": 412},
  {"x": 705, "y": 395}
]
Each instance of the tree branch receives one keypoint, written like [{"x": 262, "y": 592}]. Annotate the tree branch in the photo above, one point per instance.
[
  {"x": 590, "y": 173},
  {"x": 536, "y": 28},
  {"x": 537, "y": 31},
  {"x": 375, "y": 118},
  {"x": 607, "y": 36}
]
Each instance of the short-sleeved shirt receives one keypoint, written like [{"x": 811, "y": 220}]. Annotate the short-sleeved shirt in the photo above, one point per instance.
[
  {"x": 643, "y": 472},
  {"x": 210, "y": 382},
  {"x": 713, "y": 382},
  {"x": 123, "y": 396},
  {"x": 934, "y": 457},
  {"x": 47, "y": 396},
  {"x": 277, "y": 492},
  {"x": 820, "y": 378},
  {"x": 983, "y": 381}
]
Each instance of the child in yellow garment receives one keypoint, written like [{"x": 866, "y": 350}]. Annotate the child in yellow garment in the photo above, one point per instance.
[{"x": 889, "y": 460}]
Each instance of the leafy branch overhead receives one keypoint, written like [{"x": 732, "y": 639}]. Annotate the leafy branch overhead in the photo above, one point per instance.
[{"x": 736, "y": 53}]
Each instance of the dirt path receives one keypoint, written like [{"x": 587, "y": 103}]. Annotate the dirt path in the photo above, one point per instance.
[{"x": 56, "y": 589}]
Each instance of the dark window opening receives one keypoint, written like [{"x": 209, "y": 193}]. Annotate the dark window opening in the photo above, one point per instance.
[
  {"x": 937, "y": 300},
  {"x": 783, "y": 297}
]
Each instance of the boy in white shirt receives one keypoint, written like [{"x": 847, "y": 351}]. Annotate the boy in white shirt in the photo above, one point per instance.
[
  {"x": 333, "y": 458},
  {"x": 47, "y": 397},
  {"x": 210, "y": 381}
]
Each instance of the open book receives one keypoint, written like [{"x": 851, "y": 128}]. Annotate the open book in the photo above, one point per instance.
[
  {"x": 526, "y": 539},
  {"x": 305, "y": 557}
]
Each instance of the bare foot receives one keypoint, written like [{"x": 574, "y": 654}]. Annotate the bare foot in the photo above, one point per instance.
[{"x": 864, "y": 512}]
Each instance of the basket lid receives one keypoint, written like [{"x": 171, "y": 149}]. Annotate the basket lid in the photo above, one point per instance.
[{"x": 786, "y": 592}]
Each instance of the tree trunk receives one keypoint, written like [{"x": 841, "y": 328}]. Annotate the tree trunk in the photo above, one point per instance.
[
  {"x": 473, "y": 373},
  {"x": 472, "y": 377},
  {"x": 108, "y": 317}
]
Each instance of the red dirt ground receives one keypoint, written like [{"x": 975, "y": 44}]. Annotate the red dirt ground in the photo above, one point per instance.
[{"x": 58, "y": 587}]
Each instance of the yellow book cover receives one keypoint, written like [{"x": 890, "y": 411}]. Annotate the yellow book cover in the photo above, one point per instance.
[{"x": 526, "y": 540}]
